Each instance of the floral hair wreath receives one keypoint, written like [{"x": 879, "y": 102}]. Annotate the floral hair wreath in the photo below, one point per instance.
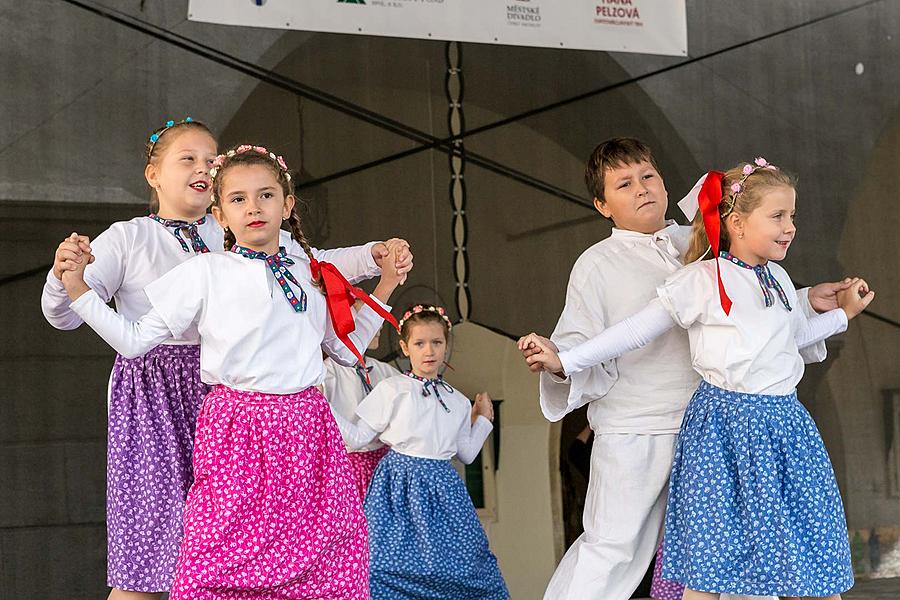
[
  {"x": 154, "y": 137},
  {"x": 277, "y": 158},
  {"x": 749, "y": 169},
  {"x": 419, "y": 308}
]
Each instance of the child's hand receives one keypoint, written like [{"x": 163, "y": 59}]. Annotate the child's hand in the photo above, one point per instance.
[
  {"x": 389, "y": 269},
  {"x": 483, "y": 406},
  {"x": 403, "y": 260},
  {"x": 823, "y": 297},
  {"x": 73, "y": 275},
  {"x": 70, "y": 253},
  {"x": 532, "y": 344},
  {"x": 542, "y": 354},
  {"x": 390, "y": 276},
  {"x": 855, "y": 298}
]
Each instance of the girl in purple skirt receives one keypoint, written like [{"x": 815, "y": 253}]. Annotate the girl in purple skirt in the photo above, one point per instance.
[{"x": 154, "y": 399}]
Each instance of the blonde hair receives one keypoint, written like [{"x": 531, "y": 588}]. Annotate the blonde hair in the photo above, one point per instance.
[
  {"x": 153, "y": 151},
  {"x": 753, "y": 190}
]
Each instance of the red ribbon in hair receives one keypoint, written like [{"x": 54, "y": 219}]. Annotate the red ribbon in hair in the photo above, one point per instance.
[
  {"x": 709, "y": 199},
  {"x": 339, "y": 297}
]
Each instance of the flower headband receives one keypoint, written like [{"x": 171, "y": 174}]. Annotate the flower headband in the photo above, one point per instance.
[
  {"x": 220, "y": 159},
  {"x": 418, "y": 308},
  {"x": 154, "y": 137},
  {"x": 748, "y": 170},
  {"x": 690, "y": 204}
]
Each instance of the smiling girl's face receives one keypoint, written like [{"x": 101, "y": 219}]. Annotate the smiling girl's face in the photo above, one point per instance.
[
  {"x": 181, "y": 173},
  {"x": 767, "y": 231}
]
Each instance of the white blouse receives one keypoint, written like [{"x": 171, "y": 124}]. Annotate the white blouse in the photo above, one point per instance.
[
  {"x": 344, "y": 389},
  {"x": 645, "y": 391},
  {"x": 132, "y": 254},
  {"x": 250, "y": 337},
  {"x": 755, "y": 349},
  {"x": 411, "y": 423}
]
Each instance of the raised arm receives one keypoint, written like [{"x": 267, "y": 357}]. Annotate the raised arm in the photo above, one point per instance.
[
  {"x": 368, "y": 322},
  {"x": 104, "y": 273},
  {"x": 359, "y": 263}
]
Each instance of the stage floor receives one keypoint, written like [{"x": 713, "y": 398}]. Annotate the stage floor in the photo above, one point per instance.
[{"x": 875, "y": 589}]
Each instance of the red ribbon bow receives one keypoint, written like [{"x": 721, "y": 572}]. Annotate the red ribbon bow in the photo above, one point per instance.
[
  {"x": 339, "y": 297},
  {"x": 709, "y": 199}
]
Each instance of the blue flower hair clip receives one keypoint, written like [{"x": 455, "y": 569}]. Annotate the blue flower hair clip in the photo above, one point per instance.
[{"x": 169, "y": 124}]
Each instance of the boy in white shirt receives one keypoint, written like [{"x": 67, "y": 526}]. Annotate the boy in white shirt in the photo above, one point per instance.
[{"x": 636, "y": 401}]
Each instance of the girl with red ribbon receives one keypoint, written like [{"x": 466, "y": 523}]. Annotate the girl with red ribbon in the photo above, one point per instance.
[
  {"x": 154, "y": 399},
  {"x": 753, "y": 504},
  {"x": 273, "y": 504}
]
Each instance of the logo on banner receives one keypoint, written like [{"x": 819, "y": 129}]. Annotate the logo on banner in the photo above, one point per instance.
[
  {"x": 523, "y": 13},
  {"x": 618, "y": 12}
]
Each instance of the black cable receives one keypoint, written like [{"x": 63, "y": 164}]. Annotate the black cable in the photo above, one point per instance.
[
  {"x": 597, "y": 91},
  {"x": 425, "y": 140}
]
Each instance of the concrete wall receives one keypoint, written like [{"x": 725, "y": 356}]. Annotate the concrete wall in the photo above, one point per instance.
[{"x": 82, "y": 93}]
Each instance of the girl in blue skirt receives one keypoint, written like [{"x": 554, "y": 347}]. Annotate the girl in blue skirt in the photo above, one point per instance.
[
  {"x": 425, "y": 540},
  {"x": 753, "y": 505}
]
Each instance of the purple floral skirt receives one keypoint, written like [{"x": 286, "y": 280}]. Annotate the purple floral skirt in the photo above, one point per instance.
[{"x": 154, "y": 400}]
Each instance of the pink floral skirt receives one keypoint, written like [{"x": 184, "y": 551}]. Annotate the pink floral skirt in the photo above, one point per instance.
[
  {"x": 273, "y": 512},
  {"x": 363, "y": 465}
]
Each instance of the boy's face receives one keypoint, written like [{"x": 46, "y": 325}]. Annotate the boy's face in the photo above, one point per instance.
[{"x": 634, "y": 197}]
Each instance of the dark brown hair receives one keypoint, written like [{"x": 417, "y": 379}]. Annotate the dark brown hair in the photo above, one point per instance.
[
  {"x": 153, "y": 151},
  {"x": 252, "y": 157},
  {"x": 611, "y": 154},
  {"x": 425, "y": 316}
]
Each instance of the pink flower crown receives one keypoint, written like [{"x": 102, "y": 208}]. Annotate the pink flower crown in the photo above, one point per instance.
[
  {"x": 220, "y": 159},
  {"x": 749, "y": 169},
  {"x": 419, "y": 308}
]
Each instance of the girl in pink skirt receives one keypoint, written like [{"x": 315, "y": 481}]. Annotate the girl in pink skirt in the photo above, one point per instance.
[
  {"x": 154, "y": 399},
  {"x": 273, "y": 511}
]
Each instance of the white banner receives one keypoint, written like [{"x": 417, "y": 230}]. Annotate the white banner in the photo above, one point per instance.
[{"x": 645, "y": 26}]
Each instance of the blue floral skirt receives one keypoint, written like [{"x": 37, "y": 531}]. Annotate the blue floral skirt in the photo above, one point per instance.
[
  {"x": 754, "y": 507},
  {"x": 425, "y": 540}
]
